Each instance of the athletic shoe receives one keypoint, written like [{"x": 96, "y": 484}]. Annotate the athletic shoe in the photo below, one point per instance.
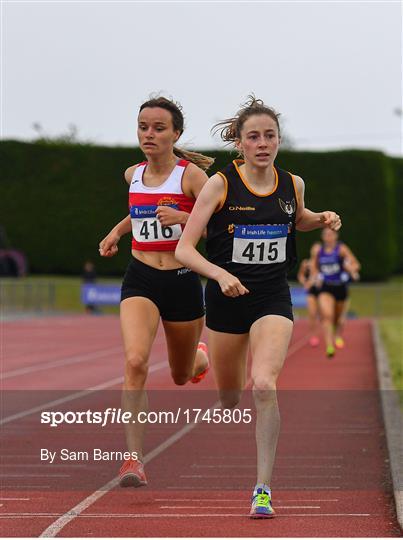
[
  {"x": 261, "y": 505},
  {"x": 200, "y": 376},
  {"x": 339, "y": 342},
  {"x": 330, "y": 351},
  {"x": 132, "y": 474},
  {"x": 314, "y": 341}
]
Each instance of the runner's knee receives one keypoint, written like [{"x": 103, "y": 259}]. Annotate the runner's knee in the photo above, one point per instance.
[
  {"x": 136, "y": 368},
  {"x": 328, "y": 318},
  {"x": 264, "y": 388}
]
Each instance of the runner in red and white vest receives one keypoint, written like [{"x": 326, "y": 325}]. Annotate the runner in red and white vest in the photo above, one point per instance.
[
  {"x": 148, "y": 232},
  {"x": 156, "y": 286}
]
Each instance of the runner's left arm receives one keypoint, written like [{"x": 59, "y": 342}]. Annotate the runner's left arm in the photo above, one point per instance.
[
  {"x": 351, "y": 263},
  {"x": 306, "y": 220}
]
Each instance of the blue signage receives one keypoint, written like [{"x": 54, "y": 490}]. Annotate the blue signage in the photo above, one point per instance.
[
  {"x": 298, "y": 297},
  {"x": 99, "y": 295},
  {"x": 105, "y": 295}
]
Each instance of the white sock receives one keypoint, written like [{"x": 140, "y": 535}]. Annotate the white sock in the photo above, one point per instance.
[{"x": 265, "y": 488}]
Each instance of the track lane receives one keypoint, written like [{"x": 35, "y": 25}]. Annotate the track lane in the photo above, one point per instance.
[{"x": 140, "y": 512}]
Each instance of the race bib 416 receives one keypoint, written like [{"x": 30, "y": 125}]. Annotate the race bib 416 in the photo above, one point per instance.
[
  {"x": 147, "y": 228},
  {"x": 259, "y": 244}
]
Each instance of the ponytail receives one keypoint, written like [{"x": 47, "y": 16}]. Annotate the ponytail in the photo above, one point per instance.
[{"x": 202, "y": 161}]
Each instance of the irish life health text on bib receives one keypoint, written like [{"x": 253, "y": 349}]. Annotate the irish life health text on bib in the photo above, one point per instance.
[{"x": 259, "y": 244}]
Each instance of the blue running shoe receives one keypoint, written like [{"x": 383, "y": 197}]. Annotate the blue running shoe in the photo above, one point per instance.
[{"x": 261, "y": 505}]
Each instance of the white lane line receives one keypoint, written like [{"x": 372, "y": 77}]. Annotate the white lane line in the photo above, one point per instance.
[
  {"x": 242, "y": 506},
  {"x": 223, "y": 466},
  {"x": 24, "y": 486},
  {"x": 244, "y": 499},
  {"x": 309, "y": 466},
  {"x": 336, "y": 431},
  {"x": 282, "y": 476},
  {"x": 309, "y": 476},
  {"x": 308, "y": 500},
  {"x": 228, "y": 458},
  {"x": 55, "y": 527},
  {"x": 250, "y": 466},
  {"x": 159, "y": 515},
  {"x": 309, "y": 457},
  {"x": 61, "y": 362},
  {"x": 17, "y": 456},
  {"x": 26, "y": 475},
  {"x": 15, "y": 499},
  {"x": 212, "y": 476},
  {"x": 238, "y": 488},
  {"x": 43, "y": 466},
  {"x": 75, "y": 395}
]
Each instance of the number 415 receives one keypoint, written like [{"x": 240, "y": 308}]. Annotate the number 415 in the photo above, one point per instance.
[{"x": 250, "y": 254}]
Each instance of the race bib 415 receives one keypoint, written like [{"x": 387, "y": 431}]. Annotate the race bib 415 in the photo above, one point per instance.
[{"x": 259, "y": 244}]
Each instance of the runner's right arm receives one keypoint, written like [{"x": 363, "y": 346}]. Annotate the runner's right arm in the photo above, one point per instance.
[
  {"x": 208, "y": 201},
  {"x": 108, "y": 247}
]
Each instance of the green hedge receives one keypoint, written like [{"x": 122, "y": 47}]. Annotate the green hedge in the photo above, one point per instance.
[
  {"x": 397, "y": 167},
  {"x": 358, "y": 185},
  {"x": 58, "y": 201}
]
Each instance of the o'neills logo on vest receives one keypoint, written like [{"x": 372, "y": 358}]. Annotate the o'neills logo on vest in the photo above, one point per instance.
[{"x": 241, "y": 208}]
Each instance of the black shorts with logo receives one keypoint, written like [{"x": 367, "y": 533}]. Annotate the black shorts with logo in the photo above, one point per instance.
[
  {"x": 339, "y": 291},
  {"x": 178, "y": 294},
  {"x": 236, "y": 315}
]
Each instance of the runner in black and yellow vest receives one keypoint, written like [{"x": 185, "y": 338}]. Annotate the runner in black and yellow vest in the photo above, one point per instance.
[{"x": 251, "y": 209}]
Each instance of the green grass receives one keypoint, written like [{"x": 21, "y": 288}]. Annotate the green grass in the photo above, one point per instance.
[
  {"x": 41, "y": 293},
  {"x": 374, "y": 300},
  {"x": 392, "y": 336}
]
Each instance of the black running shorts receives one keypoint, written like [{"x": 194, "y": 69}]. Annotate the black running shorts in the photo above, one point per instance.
[
  {"x": 178, "y": 294},
  {"x": 236, "y": 315},
  {"x": 339, "y": 292},
  {"x": 314, "y": 291}
]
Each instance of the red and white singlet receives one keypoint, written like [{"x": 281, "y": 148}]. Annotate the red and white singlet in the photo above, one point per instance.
[{"x": 148, "y": 233}]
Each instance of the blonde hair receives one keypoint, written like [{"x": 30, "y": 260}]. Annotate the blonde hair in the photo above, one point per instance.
[
  {"x": 230, "y": 128},
  {"x": 202, "y": 161}
]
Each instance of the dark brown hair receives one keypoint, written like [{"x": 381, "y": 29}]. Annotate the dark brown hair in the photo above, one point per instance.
[
  {"x": 178, "y": 122},
  {"x": 230, "y": 129}
]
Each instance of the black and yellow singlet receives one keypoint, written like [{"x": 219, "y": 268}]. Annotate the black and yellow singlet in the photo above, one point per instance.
[{"x": 252, "y": 235}]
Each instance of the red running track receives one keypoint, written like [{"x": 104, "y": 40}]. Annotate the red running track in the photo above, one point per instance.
[{"x": 331, "y": 475}]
